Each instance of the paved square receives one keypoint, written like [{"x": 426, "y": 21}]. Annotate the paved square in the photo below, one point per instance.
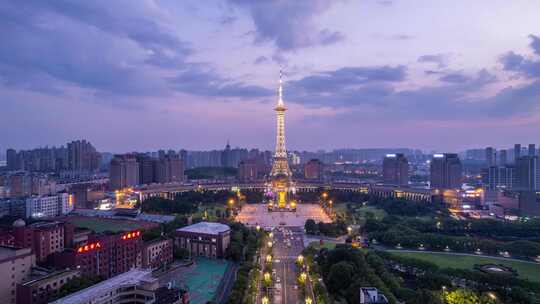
[{"x": 257, "y": 214}]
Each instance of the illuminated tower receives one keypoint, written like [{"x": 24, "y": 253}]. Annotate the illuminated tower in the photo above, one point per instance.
[
  {"x": 281, "y": 173},
  {"x": 280, "y": 167}
]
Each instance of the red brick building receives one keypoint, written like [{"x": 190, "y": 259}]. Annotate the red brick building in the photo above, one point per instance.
[
  {"x": 104, "y": 255},
  {"x": 45, "y": 238},
  {"x": 157, "y": 252}
]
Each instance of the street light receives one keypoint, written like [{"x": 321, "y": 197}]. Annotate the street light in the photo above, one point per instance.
[
  {"x": 268, "y": 258},
  {"x": 492, "y": 295},
  {"x": 349, "y": 229},
  {"x": 231, "y": 202},
  {"x": 258, "y": 227},
  {"x": 265, "y": 300},
  {"x": 309, "y": 300},
  {"x": 303, "y": 277},
  {"x": 300, "y": 259},
  {"x": 325, "y": 195},
  {"x": 267, "y": 277},
  {"x": 269, "y": 244}
]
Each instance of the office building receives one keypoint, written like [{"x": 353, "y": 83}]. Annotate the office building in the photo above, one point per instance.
[
  {"x": 15, "y": 266},
  {"x": 49, "y": 206},
  {"x": 124, "y": 171},
  {"x": 103, "y": 255},
  {"x": 204, "y": 239},
  {"x": 446, "y": 171},
  {"x": 156, "y": 253},
  {"x": 314, "y": 170},
  {"x": 42, "y": 286},
  {"x": 396, "y": 169}
]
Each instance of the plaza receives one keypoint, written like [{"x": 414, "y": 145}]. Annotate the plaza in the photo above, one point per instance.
[{"x": 257, "y": 214}]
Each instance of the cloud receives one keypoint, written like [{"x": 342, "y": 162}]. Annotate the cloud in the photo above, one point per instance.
[
  {"x": 440, "y": 59},
  {"x": 290, "y": 24},
  {"x": 260, "y": 60},
  {"x": 206, "y": 83},
  {"x": 535, "y": 44},
  {"x": 374, "y": 93},
  {"x": 528, "y": 67},
  {"x": 120, "y": 48}
]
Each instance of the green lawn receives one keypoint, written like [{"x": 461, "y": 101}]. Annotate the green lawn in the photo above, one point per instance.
[
  {"x": 99, "y": 225},
  {"x": 378, "y": 213},
  {"x": 327, "y": 245},
  {"x": 525, "y": 270}
]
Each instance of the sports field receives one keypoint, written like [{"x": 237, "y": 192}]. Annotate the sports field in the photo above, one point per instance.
[
  {"x": 99, "y": 225},
  {"x": 526, "y": 270},
  {"x": 202, "y": 279}
]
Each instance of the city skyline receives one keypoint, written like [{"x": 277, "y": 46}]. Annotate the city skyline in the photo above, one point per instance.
[{"x": 131, "y": 76}]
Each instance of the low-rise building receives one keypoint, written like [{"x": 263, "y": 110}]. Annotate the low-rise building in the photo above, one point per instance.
[
  {"x": 44, "y": 238},
  {"x": 49, "y": 206},
  {"x": 134, "y": 286},
  {"x": 15, "y": 265},
  {"x": 104, "y": 255},
  {"x": 157, "y": 252},
  {"x": 371, "y": 295},
  {"x": 204, "y": 239},
  {"x": 42, "y": 285}
]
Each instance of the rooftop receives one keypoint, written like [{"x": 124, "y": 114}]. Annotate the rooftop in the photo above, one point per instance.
[
  {"x": 132, "y": 277},
  {"x": 206, "y": 228}
]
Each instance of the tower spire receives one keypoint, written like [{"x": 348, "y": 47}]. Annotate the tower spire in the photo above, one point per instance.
[{"x": 280, "y": 90}]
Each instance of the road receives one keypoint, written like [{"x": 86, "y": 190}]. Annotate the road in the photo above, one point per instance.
[
  {"x": 257, "y": 214},
  {"x": 284, "y": 263}
]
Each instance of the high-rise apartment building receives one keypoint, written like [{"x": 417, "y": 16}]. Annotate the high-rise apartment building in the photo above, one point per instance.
[
  {"x": 446, "y": 171},
  {"x": 528, "y": 172},
  {"x": 490, "y": 156},
  {"x": 503, "y": 157},
  {"x": 82, "y": 156},
  {"x": 396, "y": 169},
  {"x": 169, "y": 168},
  {"x": 124, "y": 171},
  {"x": 532, "y": 150},
  {"x": 517, "y": 152}
]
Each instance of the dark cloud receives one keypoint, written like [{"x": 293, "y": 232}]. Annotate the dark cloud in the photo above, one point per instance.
[
  {"x": 112, "y": 48},
  {"x": 380, "y": 98},
  {"x": 206, "y": 83},
  {"x": 439, "y": 59},
  {"x": 528, "y": 67},
  {"x": 535, "y": 44},
  {"x": 260, "y": 59},
  {"x": 290, "y": 24},
  {"x": 347, "y": 78}
]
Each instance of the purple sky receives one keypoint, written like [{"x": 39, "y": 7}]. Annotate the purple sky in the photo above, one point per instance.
[{"x": 144, "y": 75}]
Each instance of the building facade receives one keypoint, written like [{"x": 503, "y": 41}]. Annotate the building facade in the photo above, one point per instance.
[
  {"x": 41, "y": 289},
  {"x": 396, "y": 169},
  {"x": 204, "y": 239},
  {"x": 446, "y": 171},
  {"x": 124, "y": 171},
  {"x": 157, "y": 253},
  {"x": 104, "y": 255},
  {"x": 15, "y": 266},
  {"x": 313, "y": 170}
]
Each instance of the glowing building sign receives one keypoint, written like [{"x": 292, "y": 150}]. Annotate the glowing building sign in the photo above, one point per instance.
[
  {"x": 89, "y": 247},
  {"x": 131, "y": 235}
]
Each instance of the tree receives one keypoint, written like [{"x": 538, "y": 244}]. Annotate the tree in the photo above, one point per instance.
[
  {"x": 340, "y": 276},
  {"x": 311, "y": 227}
]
